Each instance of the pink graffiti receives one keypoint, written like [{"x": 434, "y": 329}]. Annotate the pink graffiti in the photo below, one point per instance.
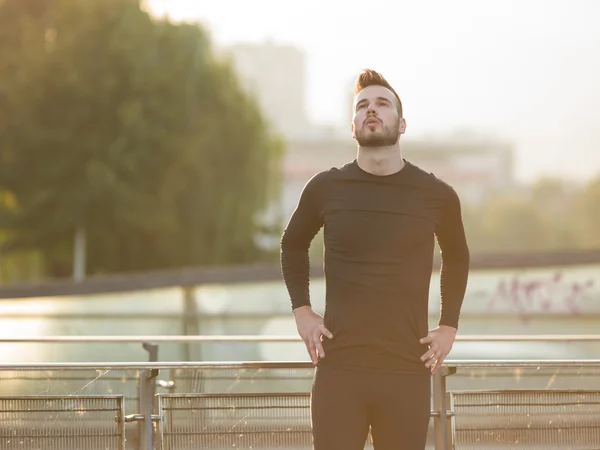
[{"x": 540, "y": 295}]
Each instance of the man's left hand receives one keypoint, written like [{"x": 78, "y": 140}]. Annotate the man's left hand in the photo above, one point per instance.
[{"x": 440, "y": 342}]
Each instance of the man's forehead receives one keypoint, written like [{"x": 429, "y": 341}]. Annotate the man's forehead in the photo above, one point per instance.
[{"x": 373, "y": 92}]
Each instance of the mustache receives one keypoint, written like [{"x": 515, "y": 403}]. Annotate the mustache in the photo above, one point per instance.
[{"x": 371, "y": 118}]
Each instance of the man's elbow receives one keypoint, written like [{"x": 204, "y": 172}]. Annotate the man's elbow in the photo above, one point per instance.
[
  {"x": 285, "y": 241},
  {"x": 290, "y": 242},
  {"x": 458, "y": 255}
]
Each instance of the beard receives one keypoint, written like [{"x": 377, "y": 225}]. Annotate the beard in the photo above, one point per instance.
[{"x": 388, "y": 135}]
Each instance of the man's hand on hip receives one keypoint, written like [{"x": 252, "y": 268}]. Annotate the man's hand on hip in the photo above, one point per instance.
[
  {"x": 311, "y": 328},
  {"x": 440, "y": 342}
]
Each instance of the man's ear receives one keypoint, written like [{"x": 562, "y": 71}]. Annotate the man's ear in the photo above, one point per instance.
[{"x": 402, "y": 126}]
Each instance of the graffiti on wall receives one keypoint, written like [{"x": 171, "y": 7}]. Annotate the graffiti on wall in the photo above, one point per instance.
[{"x": 553, "y": 293}]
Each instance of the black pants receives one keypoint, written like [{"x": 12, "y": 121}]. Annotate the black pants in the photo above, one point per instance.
[{"x": 345, "y": 403}]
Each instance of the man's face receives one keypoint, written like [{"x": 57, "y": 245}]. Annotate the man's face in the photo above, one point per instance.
[{"x": 376, "y": 121}]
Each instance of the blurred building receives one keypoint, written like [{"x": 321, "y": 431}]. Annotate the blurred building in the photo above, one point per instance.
[
  {"x": 275, "y": 75},
  {"x": 476, "y": 166}
]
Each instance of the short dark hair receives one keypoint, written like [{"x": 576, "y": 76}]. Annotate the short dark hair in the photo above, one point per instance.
[{"x": 369, "y": 77}]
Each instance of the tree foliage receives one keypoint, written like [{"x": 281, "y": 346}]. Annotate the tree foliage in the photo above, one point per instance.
[
  {"x": 588, "y": 213},
  {"x": 132, "y": 129},
  {"x": 549, "y": 216}
]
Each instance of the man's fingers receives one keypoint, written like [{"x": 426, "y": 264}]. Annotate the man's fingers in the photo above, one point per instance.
[
  {"x": 435, "y": 357},
  {"x": 437, "y": 361},
  {"x": 320, "y": 351},
  {"x": 313, "y": 343},
  {"x": 429, "y": 353},
  {"x": 431, "y": 361},
  {"x": 325, "y": 332},
  {"x": 426, "y": 340},
  {"x": 437, "y": 365},
  {"x": 312, "y": 351}
]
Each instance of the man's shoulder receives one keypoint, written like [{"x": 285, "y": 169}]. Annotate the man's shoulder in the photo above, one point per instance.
[
  {"x": 327, "y": 174},
  {"x": 430, "y": 180}
]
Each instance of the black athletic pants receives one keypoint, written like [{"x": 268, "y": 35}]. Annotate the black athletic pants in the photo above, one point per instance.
[{"x": 345, "y": 403}]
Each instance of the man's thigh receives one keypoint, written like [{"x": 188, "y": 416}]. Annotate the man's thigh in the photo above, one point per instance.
[
  {"x": 400, "y": 412},
  {"x": 338, "y": 410}
]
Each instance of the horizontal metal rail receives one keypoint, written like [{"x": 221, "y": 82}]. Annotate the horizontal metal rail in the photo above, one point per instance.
[
  {"x": 279, "y": 338},
  {"x": 569, "y": 363}
]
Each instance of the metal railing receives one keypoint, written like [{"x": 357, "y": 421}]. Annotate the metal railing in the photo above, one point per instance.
[
  {"x": 279, "y": 338},
  {"x": 193, "y": 405},
  {"x": 91, "y": 422}
]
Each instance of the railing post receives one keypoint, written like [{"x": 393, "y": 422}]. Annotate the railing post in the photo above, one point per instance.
[
  {"x": 146, "y": 398},
  {"x": 152, "y": 350},
  {"x": 442, "y": 414},
  {"x": 146, "y": 403}
]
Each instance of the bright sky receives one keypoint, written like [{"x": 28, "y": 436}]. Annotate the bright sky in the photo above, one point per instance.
[{"x": 525, "y": 70}]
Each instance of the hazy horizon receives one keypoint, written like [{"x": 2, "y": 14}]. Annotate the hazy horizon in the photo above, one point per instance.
[{"x": 525, "y": 71}]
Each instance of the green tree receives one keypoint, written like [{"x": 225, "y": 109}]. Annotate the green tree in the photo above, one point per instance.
[
  {"x": 131, "y": 130},
  {"x": 18, "y": 267},
  {"x": 587, "y": 219},
  {"x": 472, "y": 219},
  {"x": 555, "y": 201},
  {"x": 511, "y": 224}
]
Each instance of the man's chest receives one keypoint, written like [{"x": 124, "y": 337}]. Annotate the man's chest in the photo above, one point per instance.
[{"x": 380, "y": 218}]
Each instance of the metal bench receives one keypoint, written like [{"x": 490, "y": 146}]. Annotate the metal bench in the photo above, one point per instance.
[
  {"x": 32, "y": 422},
  {"x": 526, "y": 419}
]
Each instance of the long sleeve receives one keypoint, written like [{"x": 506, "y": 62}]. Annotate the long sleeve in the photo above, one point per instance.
[
  {"x": 455, "y": 256},
  {"x": 304, "y": 224}
]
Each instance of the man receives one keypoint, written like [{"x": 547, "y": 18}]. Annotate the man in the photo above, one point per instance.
[{"x": 381, "y": 215}]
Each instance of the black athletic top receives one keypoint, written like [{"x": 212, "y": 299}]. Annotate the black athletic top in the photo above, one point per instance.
[{"x": 379, "y": 240}]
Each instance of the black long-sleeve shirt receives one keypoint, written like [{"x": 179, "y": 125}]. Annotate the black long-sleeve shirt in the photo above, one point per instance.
[{"x": 379, "y": 236}]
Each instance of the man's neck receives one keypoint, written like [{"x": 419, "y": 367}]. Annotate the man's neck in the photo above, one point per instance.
[{"x": 380, "y": 160}]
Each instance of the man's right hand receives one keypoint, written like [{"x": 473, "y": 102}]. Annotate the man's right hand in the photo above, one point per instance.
[{"x": 311, "y": 327}]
